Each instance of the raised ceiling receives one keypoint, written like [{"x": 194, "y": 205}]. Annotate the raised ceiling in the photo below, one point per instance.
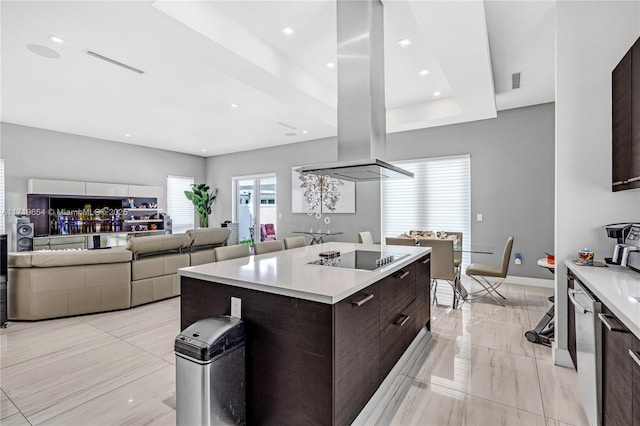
[{"x": 199, "y": 58}]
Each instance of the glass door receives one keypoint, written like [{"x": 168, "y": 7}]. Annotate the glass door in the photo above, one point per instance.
[{"x": 255, "y": 208}]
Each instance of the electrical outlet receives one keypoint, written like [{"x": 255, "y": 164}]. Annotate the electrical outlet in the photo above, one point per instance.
[
  {"x": 517, "y": 259},
  {"x": 236, "y": 307},
  {"x": 479, "y": 217}
]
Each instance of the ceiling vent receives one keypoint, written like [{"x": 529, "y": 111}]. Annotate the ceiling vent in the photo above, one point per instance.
[
  {"x": 114, "y": 62},
  {"x": 515, "y": 80},
  {"x": 288, "y": 126}
]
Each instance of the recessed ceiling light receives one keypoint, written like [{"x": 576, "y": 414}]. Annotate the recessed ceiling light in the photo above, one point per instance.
[
  {"x": 287, "y": 31},
  {"x": 127, "y": 135},
  {"x": 305, "y": 132},
  {"x": 234, "y": 105},
  {"x": 56, "y": 39},
  {"x": 404, "y": 42},
  {"x": 204, "y": 150},
  {"x": 330, "y": 65},
  {"x": 424, "y": 72},
  {"x": 436, "y": 93}
]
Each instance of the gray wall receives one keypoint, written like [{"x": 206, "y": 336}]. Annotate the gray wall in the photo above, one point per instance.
[
  {"x": 30, "y": 152},
  {"x": 280, "y": 160},
  {"x": 512, "y": 181},
  {"x": 512, "y": 178}
]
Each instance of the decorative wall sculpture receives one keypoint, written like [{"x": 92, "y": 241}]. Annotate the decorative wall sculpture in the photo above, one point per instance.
[{"x": 321, "y": 194}]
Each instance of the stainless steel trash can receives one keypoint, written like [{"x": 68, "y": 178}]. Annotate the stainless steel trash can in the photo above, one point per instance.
[{"x": 210, "y": 373}]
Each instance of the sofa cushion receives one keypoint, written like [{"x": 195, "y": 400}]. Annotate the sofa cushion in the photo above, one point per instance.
[
  {"x": 209, "y": 236},
  {"x": 158, "y": 243},
  {"x": 47, "y": 259},
  {"x": 19, "y": 260},
  {"x": 156, "y": 266}
]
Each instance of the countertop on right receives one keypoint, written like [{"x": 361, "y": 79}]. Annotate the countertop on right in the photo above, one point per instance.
[{"x": 616, "y": 287}]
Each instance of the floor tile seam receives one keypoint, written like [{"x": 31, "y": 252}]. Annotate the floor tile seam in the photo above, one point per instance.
[
  {"x": 17, "y": 408},
  {"x": 98, "y": 396},
  {"x": 544, "y": 410},
  {"x": 18, "y": 414},
  {"x": 145, "y": 351},
  {"x": 473, "y": 345},
  {"x": 146, "y": 329},
  {"x": 391, "y": 398},
  {"x": 83, "y": 350},
  {"x": 468, "y": 394}
]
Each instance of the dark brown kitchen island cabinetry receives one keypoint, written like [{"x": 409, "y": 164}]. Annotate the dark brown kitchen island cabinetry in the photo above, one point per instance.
[
  {"x": 317, "y": 363},
  {"x": 357, "y": 351}
]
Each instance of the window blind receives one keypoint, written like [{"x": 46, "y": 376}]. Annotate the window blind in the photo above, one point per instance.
[
  {"x": 179, "y": 207},
  {"x": 438, "y": 198}
]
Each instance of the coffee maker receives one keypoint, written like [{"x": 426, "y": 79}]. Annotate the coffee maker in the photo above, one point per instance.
[{"x": 627, "y": 251}]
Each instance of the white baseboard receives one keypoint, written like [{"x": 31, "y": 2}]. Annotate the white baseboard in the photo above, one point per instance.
[{"x": 535, "y": 282}]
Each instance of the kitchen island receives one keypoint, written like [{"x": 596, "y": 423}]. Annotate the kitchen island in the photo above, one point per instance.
[{"x": 320, "y": 339}]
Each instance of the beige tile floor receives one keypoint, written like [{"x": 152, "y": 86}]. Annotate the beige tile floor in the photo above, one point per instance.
[{"x": 117, "y": 369}]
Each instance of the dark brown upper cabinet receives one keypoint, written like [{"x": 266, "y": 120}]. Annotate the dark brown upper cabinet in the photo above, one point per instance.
[{"x": 625, "y": 115}]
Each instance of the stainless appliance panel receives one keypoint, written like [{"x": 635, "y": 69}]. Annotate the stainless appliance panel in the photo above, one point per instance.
[{"x": 587, "y": 309}]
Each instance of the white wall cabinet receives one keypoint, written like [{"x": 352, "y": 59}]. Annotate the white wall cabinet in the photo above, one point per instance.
[
  {"x": 58, "y": 187},
  {"x": 68, "y": 187},
  {"x": 107, "y": 189}
]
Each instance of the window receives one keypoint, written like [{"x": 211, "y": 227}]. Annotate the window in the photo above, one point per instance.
[
  {"x": 438, "y": 198},
  {"x": 180, "y": 209}
]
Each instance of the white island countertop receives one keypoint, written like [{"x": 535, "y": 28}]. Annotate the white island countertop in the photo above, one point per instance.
[
  {"x": 289, "y": 273},
  {"x": 616, "y": 287}
]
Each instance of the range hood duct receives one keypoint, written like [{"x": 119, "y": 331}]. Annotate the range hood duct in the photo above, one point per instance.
[{"x": 361, "y": 108}]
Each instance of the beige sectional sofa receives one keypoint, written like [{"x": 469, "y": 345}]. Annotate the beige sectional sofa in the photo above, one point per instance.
[
  {"x": 51, "y": 284},
  {"x": 63, "y": 283}
]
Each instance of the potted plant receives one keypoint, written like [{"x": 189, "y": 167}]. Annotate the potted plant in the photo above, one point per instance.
[{"x": 202, "y": 198}]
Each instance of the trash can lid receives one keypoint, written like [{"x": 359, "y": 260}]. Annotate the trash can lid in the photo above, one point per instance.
[{"x": 209, "y": 337}]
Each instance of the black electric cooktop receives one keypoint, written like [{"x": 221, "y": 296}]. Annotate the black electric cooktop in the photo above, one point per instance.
[{"x": 360, "y": 259}]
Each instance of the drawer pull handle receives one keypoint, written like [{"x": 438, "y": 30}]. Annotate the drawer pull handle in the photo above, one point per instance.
[
  {"x": 604, "y": 318},
  {"x": 402, "y": 320},
  {"x": 635, "y": 356},
  {"x": 402, "y": 274},
  {"x": 427, "y": 260},
  {"x": 363, "y": 300}
]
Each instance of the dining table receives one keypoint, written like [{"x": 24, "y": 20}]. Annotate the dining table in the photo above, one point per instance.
[{"x": 319, "y": 236}]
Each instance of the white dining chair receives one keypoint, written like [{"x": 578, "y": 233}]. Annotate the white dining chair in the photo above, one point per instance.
[
  {"x": 294, "y": 242},
  {"x": 231, "y": 252},
  {"x": 268, "y": 247},
  {"x": 365, "y": 237}
]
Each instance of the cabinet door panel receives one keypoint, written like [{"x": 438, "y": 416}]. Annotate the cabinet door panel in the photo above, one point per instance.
[
  {"x": 356, "y": 340},
  {"x": 397, "y": 291},
  {"x": 423, "y": 293},
  {"x": 616, "y": 371},
  {"x": 635, "y": 113},
  {"x": 396, "y": 337},
  {"x": 621, "y": 121},
  {"x": 635, "y": 346}
]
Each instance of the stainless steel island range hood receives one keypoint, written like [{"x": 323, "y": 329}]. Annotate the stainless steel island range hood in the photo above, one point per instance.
[{"x": 361, "y": 107}]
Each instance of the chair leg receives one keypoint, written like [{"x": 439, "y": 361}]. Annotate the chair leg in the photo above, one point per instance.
[
  {"x": 488, "y": 288},
  {"x": 434, "y": 286}
]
